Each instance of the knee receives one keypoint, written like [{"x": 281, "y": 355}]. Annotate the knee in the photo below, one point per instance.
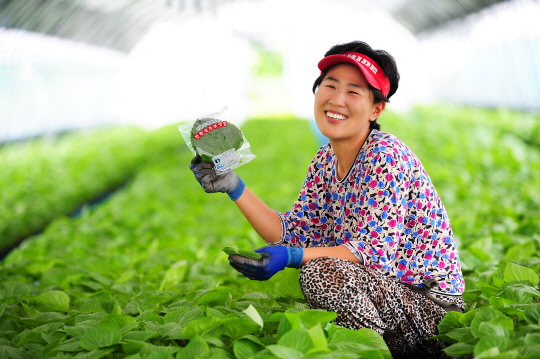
[
  {"x": 318, "y": 267},
  {"x": 321, "y": 272}
]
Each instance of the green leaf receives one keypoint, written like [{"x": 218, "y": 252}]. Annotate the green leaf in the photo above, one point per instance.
[
  {"x": 214, "y": 298},
  {"x": 496, "y": 280},
  {"x": 467, "y": 317},
  {"x": 287, "y": 323},
  {"x": 471, "y": 296},
  {"x": 481, "y": 248},
  {"x": 52, "y": 345},
  {"x": 518, "y": 294},
  {"x": 132, "y": 346},
  {"x": 459, "y": 349},
  {"x": 102, "y": 337},
  {"x": 496, "y": 327},
  {"x": 157, "y": 351},
  {"x": 252, "y": 313},
  {"x": 491, "y": 341},
  {"x": 30, "y": 311},
  {"x": 91, "y": 306},
  {"x": 238, "y": 327},
  {"x": 129, "y": 327},
  {"x": 2, "y": 309},
  {"x": 116, "y": 321},
  {"x": 449, "y": 322},
  {"x": 54, "y": 299},
  {"x": 35, "y": 337},
  {"x": 532, "y": 339},
  {"x": 148, "y": 315},
  {"x": 196, "y": 348},
  {"x": 174, "y": 275},
  {"x": 363, "y": 339},
  {"x": 16, "y": 354},
  {"x": 17, "y": 290},
  {"x": 531, "y": 352},
  {"x": 254, "y": 339},
  {"x": 70, "y": 345},
  {"x": 44, "y": 318},
  {"x": 184, "y": 316},
  {"x": 521, "y": 251},
  {"x": 211, "y": 339},
  {"x": 91, "y": 285},
  {"x": 313, "y": 317},
  {"x": 484, "y": 314},
  {"x": 488, "y": 290},
  {"x": 49, "y": 328},
  {"x": 532, "y": 313},
  {"x": 171, "y": 331},
  {"x": 458, "y": 333},
  {"x": 89, "y": 320},
  {"x": 288, "y": 284},
  {"x": 28, "y": 336},
  {"x": 293, "y": 319},
  {"x": 244, "y": 348},
  {"x": 200, "y": 326},
  {"x": 96, "y": 354},
  {"x": 318, "y": 338},
  {"x": 140, "y": 335},
  {"x": 506, "y": 306},
  {"x": 79, "y": 330},
  {"x": 284, "y": 352},
  {"x": 298, "y": 339},
  {"x": 522, "y": 288},
  {"x": 491, "y": 353},
  {"x": 211, "y": 312},
  {"x": 217, "y": 353},
  {"x": 515, "y": 272}
]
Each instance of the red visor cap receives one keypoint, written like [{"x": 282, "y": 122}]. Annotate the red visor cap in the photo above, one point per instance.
[{"x": 372, "y": 72}]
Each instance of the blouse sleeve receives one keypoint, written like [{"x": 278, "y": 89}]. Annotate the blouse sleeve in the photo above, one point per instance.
[
  {"x": 302, "y": 225},
  {"x": 383, "y": 206}
]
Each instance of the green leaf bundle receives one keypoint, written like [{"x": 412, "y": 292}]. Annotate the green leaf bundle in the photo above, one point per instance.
[{"x": 242, "y": 252}]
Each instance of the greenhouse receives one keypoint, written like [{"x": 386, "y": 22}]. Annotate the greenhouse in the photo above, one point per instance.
[{"x": 110, "y": 247}]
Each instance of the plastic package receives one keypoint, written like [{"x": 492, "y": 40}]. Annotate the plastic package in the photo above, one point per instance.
[{"x": 218, "y": 141}]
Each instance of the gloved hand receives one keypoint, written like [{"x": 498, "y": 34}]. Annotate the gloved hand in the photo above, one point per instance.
[
  {"x": 274, "y": 259},
  {"x": 205, "y": 174}
]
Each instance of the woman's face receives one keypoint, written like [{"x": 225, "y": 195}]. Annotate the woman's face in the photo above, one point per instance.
[{"x": 344, "y": 104}]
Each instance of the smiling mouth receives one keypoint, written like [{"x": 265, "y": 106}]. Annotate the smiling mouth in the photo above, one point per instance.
[{"x": 335, "y": 116}]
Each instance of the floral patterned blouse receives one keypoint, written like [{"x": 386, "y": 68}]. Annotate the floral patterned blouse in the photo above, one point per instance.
[{"x": 385, "y": 210}]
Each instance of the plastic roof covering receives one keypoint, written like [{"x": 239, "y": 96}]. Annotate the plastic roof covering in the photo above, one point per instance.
[
  {"x": 119, "y": 24},
  {"x": 424, "y": 15}
]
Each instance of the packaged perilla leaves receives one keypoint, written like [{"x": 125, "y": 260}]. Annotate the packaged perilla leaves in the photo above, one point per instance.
[{"x": 217, "y": 140}]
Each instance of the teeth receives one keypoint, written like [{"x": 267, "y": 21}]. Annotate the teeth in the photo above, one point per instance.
[{"x": 335, "y": 116}]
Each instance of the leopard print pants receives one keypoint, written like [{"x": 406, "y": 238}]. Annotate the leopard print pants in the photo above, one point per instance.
[{"x": 364, "y": 298}]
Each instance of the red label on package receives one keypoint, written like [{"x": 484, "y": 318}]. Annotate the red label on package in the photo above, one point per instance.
[{"x": 204, "y": 131}]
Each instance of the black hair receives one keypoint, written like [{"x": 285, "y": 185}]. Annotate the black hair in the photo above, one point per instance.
[{"x": 381, "y": 57}]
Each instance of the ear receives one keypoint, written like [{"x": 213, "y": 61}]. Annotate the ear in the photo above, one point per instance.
[{"x": 378, "y": 109}]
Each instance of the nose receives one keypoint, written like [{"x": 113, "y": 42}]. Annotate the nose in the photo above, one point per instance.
[{"x": 338, "y": 99}]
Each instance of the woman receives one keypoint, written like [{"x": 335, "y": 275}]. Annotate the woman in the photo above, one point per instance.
[{"x": 368, "y": 229}]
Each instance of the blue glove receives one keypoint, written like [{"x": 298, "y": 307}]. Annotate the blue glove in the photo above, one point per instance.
[
  {"x": 205, "y": 174},
  {"x": 274, "y": 259}
]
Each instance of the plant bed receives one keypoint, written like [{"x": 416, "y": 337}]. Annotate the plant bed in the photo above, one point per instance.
[
  {"x": 142, "y": 275},
  {"x": 50, "y": 177}
]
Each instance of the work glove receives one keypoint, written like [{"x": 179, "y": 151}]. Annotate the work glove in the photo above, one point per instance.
[
  {"x": 274, "y": 259},
  {"x": 228, "y": 182}
]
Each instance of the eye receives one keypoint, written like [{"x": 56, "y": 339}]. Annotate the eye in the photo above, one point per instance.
[
  {"x": 331, "y": 86},
  {"x": 354, "y": 92}
]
